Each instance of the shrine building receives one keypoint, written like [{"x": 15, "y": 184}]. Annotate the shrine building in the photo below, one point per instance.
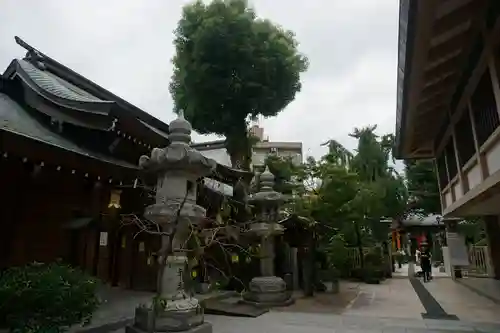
[{"x": 448, "y": 103}]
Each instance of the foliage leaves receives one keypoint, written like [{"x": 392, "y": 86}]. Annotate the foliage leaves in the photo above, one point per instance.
[
  {"x": 353, "y": 191},
  {"x": 423, "y": 186},
  {"x": 231, "y": 66},
  {"x": 46, "y": 298}
]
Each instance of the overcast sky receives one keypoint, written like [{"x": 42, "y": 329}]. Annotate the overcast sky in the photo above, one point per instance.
[{"x": 126, "y": 46}]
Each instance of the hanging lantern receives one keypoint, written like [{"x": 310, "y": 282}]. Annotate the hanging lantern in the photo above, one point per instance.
[
  {"x": 398, "y": 240},
  {"x": 235, "y": 258},
  {"x": 114, "y": 199},
  {"x": 218, "y": 218}
]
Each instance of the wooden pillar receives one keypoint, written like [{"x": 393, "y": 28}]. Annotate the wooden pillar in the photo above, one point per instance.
[
  {"x": 104, "y": 260},
  {"x": 295, "y": 267},
  {"x": 464, "y": 183},
  {"x": 480, "y": 158},
  {"x": 492, "y": 225}
]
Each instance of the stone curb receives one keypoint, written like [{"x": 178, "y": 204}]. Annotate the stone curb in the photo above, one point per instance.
[{"x": 108, "y": 327}]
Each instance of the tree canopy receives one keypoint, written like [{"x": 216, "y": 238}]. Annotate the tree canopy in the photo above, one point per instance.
[
  {"x": 355, "y": 189},
  {"x": 231, "y": 66},
  {"x": 423, "y": 186}
]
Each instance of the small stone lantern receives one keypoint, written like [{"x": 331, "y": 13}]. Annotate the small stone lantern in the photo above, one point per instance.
[{"x": 267, "y": 290}]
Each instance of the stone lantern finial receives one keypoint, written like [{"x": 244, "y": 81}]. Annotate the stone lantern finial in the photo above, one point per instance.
[
  {"x": 266, "y": 180},
  {"x": 180, "y": 130}
]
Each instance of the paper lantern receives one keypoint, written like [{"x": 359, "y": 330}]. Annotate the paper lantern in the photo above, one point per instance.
[{"x": 114, "y": 199}]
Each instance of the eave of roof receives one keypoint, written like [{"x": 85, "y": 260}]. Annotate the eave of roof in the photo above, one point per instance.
[
  {"x": 209, "y": 145},
  {"x": 79, "y": 80},
  {"x": 14, "y": 119},
  {"x": 407, "y": 13},
  {"x": 57, "y": 90}
]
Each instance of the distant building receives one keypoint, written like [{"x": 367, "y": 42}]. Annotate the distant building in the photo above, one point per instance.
[
  {"x": 257, "y": 131},
  {"x": 261, "y": 149}
]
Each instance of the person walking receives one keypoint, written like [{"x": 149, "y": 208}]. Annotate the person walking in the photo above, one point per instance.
[{"x": 425, "y": 262}]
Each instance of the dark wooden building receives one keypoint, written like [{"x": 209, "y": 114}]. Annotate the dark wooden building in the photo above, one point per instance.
[
  {"x": 68, "y": 160},
  {"x": 70, "y": 183}
]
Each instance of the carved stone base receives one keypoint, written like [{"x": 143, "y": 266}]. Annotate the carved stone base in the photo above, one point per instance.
[
  {"x": 146, "y": 320},
  {"x": 203, "y": 328},
  {"x": 268, "y": 291}
]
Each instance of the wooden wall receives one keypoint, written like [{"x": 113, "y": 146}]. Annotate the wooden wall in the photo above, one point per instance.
[{"x": 36, "y": 208}]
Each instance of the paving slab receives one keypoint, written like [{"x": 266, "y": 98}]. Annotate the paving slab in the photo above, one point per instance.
[
  {"x": 391, "y": 307},
  {"x": 462, "y": 302},
  {"x": 392, "y": 298},
  {"x": 486, "y": 287}
]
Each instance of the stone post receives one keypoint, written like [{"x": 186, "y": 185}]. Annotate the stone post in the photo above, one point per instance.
[
  {"x": 267, "y": 290},
  {"x": 267, "y": 260},
  {"x": 178, "y": 167}
]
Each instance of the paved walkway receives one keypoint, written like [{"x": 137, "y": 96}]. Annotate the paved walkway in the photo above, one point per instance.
[
  {"x": 487, "y": 287},
  {"x": 465, "y": 304},
  {"x": 403, "y": 272},
  {"x": 286, "y": 322},
  {"x": 395, "y": 306},
  {"x": 394, "y": 298}
]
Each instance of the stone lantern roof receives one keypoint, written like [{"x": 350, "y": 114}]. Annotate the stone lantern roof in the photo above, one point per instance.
[
  {"x": 267, "y": 195},
  {"x": 178, "y": 155}
]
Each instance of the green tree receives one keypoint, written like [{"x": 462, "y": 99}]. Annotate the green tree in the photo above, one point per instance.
[
  {"x": 230, "y": 67},
  {"x": 382, "y": 190},
  {"x": 284, "y": 171},
  {"x": 423, "y": 186}
]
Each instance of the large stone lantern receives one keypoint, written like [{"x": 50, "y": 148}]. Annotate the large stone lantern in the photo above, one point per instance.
[
  {"x": 267, "y": 289},
  {"x": 178, "y": 167}
]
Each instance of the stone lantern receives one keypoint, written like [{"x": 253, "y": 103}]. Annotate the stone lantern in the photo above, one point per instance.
[
  {"x": 267, "y": 289},
  {"x": 178, "y": 167}
]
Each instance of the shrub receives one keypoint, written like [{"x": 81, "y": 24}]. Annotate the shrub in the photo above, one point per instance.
[
  {"x": 46, "y": 298},
  {"x": 373, "y": 258},
  {"x": 337, "y": 255},
  {"x": 372, "y": 275}
]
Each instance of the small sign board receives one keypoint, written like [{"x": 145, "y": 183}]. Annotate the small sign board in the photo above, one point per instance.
[
  {"x": 103, "y": 238},
  {"x": 459, "y": 255}
]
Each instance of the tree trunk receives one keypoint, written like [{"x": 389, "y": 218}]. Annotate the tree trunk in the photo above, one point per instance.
[
  {"x": 360, "y": 245},
  {"x": 239, "y": 148}
]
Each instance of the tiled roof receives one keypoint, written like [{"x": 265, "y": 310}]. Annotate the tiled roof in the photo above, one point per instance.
[
  {"x": 14, "y": 119},
  {"x": 56, "y": 86}
]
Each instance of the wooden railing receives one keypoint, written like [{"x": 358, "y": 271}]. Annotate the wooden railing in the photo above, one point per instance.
[
  {"x": 353, "y": 254},
  {"x": 480, "y": 262}
]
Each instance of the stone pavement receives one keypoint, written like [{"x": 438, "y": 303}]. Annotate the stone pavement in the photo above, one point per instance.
[
  {"x": 403, "y": 272},
  {"x": 391, "y": 307},
  {"x": 487, "y": 287},
  {"x": 467, "y": 305},
  {"x": 393, "y": 298},
  {"x": 289, "y": 322}
]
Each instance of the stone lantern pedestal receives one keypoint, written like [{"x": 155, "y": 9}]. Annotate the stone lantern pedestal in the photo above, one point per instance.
[
  {"x": 267, "y": 290},
  {"x": 178, "y": 167}
]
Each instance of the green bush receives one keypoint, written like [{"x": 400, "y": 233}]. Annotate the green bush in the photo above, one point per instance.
[
  {"x": 337, "y": 255},
  {"x": 372, "y": 274},
  {"x": 46, "y": 298},
  {"x": 373, "y": 258},
  {"x": 329, "y": 275}
]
